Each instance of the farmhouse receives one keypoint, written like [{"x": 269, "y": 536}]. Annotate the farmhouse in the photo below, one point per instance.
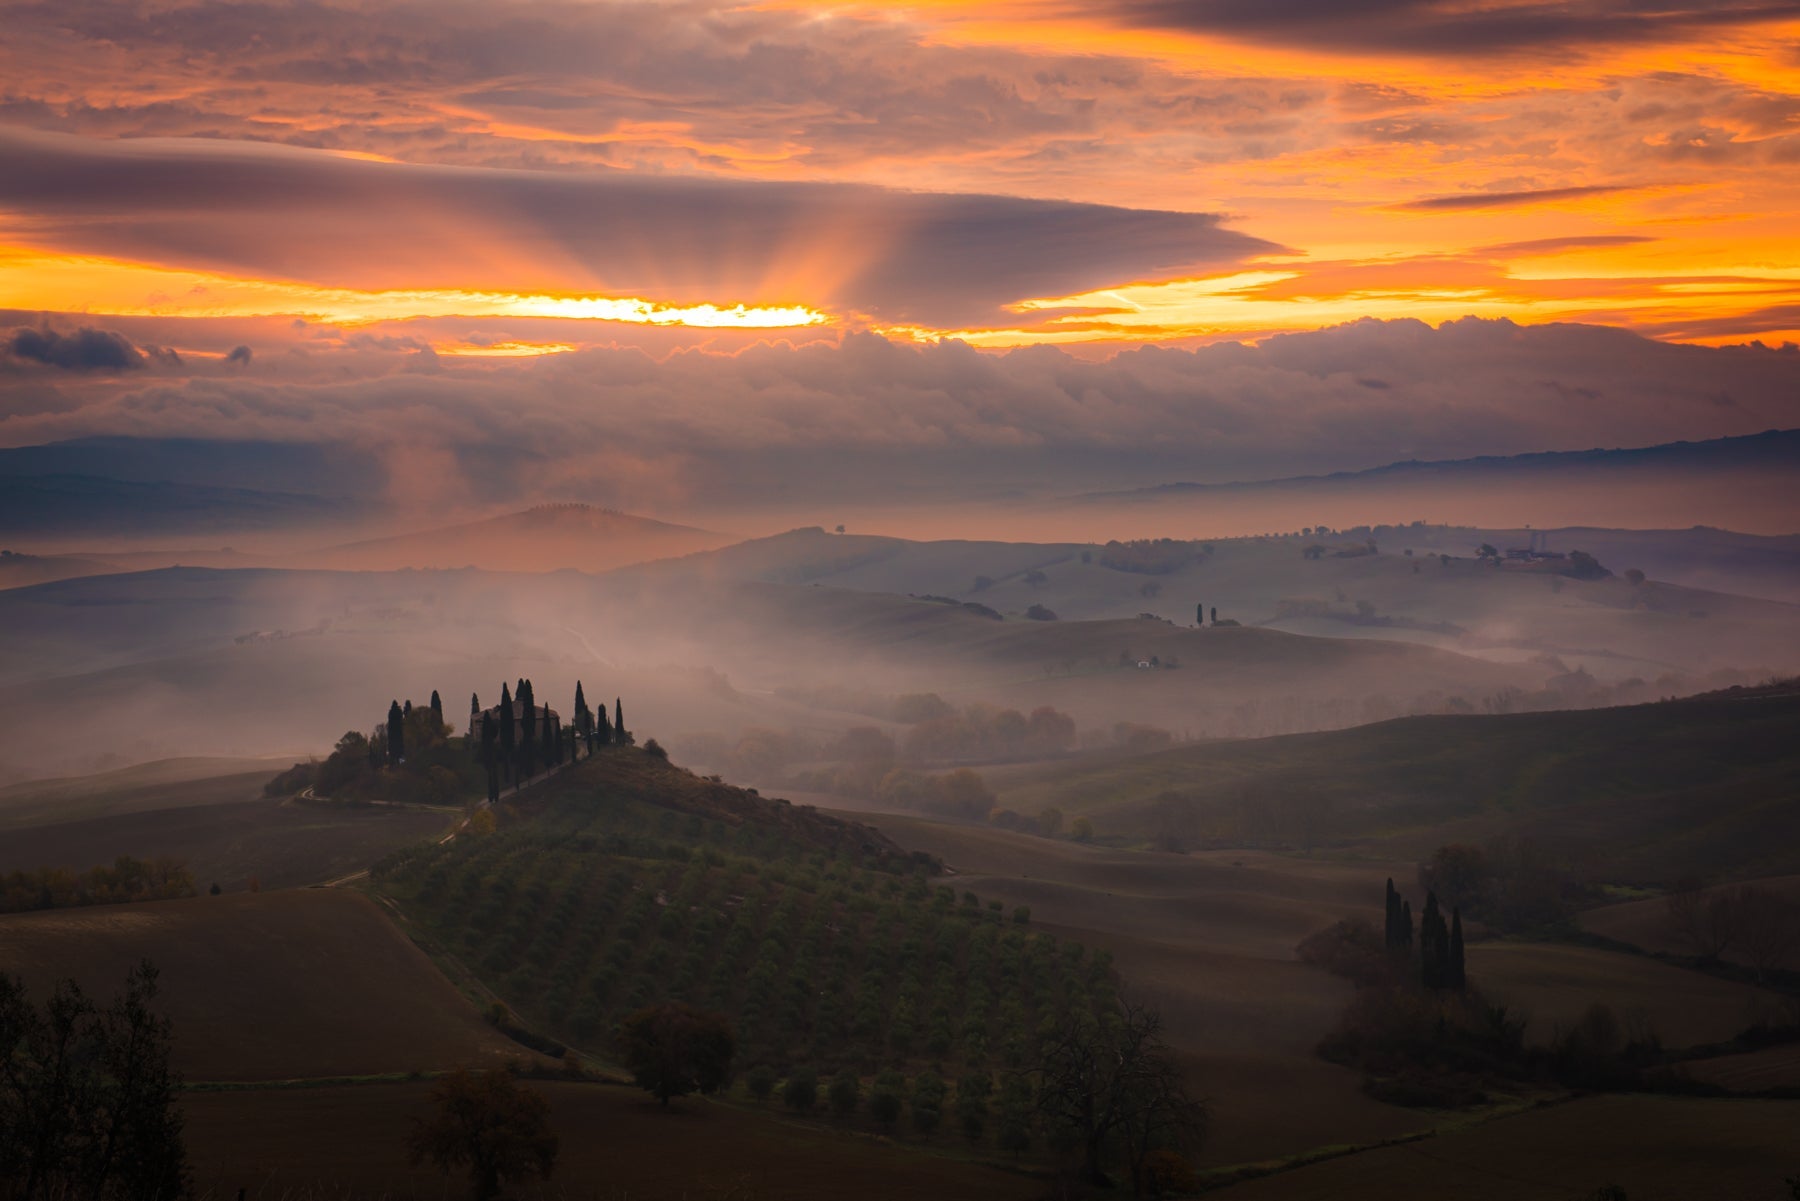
[{"x": 537, "y": 716}]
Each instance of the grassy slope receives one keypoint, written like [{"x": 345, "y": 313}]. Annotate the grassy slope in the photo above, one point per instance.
[
  {"x": 616, "y": 1143},
  {"x": 267, "y": 986},
  {"x": 1652, "y": 1147},
  {"x": 163, "y": 784},
  {"x": 1210, "y": 940},
  {"x": 281, "y": 844},
  {"x": 1700, "y": 785}
]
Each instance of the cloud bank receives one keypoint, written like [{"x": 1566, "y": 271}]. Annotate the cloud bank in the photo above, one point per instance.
[{"x": 870, "y": 421}]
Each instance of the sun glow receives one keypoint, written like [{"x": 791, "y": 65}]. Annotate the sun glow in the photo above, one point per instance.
[{"x": 33, "y": 279}]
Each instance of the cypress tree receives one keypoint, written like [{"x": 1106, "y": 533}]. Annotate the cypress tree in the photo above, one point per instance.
[
  {"x": 549, "y": 738},
  {"x": 406, "y": 710},
  {"x": 528, "y": 731},
  {"x": 619, "y": 734},
  {"x": 1215, "y": 613},
  {"x": 1200, "y": 615},
  {"x": 506, "y": 729},
  {"x": 490, "y": 734},
  {"x": 437, "y": 708},
  {"x": 581, "y": 709},
  {"x": 396, "y": 733},
  {"x": 1434, "y": 946},
  {"x": 1457, "y": 977},
  {"x": 602, "y": 727}
]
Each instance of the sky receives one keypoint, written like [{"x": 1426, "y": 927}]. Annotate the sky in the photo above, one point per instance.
[{"x": 1112, "y": 241}]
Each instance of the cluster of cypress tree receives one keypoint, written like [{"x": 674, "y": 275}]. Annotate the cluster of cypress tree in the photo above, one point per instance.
[
  {"x": 526, "y": 733},
  {"x": 1440, "y": 945}
]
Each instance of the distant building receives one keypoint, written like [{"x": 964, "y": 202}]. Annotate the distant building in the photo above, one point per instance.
[{"x": 537, "y": 715}]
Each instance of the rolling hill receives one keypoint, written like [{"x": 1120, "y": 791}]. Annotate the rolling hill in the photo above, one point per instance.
[
  {"x": 545, "y": 538},
  {"x": 1643, "y": 793}
]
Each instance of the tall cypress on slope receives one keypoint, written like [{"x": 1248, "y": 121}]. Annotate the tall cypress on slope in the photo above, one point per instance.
[
  {"x": 490, "y": 734},
  {"x": 396, "y": 733},
  {"x": 528, "y": 732},
  {"x": 602, "y": 728},
  {"x": 619, "y": 734},
  {"x": 437, "y": 709},
  {"x": 507, "y": 739},
  {"x": 1455, "y": 975}
]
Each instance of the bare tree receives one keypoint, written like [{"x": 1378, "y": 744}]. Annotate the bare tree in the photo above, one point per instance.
[{"x": 1109, "y": 1084}]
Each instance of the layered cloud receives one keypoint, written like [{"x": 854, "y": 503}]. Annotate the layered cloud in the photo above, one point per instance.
[
  {"x": 354, "y": 226},
  {"x": 533, "y": 176},
  {"x": 870, "y": 421}
]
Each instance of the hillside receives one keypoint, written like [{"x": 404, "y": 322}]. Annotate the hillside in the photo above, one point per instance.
[
  {"x": 1742, "y": 483},
  {"x": 1677, "y": 620},
  {"x": 545, "y": 538},
  {"x": 1646, "y": 792},
  {"x": 624, "y": 881},
  {"x": 250, "y": 662}
]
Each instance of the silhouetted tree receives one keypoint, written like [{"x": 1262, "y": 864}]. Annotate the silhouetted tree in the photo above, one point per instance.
[
  {"x": 674, "y": 1049},
  {"x": 619, "y": 734},
  {"x": 437, "y": 707},
  {"x": 584, "y": 718},
  {"x": 1111, "y": 1085},
  {"x": 396, "y": 733},
  {"x": 508, "y": 740},
  {"x": 603, "y": 729},
  {"x": 87, "y": 1100},
  {"x": 1434, "y": 946},
  {"x": 1215, "y": 615},
  {"x": 474, "y": 706},
  {"x": 528, "y": 731},
  {"x": 1455, "y": 975},
  {"x": 492, "y": 1125},
  {"x": 1200, "y": 615},
  {"x": 489, "y": 735},
  {"x": 547, "y": 737}
]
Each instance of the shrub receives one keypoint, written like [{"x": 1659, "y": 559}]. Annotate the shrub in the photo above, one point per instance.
[
  {"x": 801, "y": 1091},
  {"x": 884, "y": 1097},
  {"x": 844, "y": 1093}
]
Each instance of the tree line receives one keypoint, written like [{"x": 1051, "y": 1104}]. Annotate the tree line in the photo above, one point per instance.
[{"x": 127, "y": 879}]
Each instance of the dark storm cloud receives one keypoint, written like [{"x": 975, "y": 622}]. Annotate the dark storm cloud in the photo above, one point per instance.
[
  {"x": 939, "y": 259},
  {"x": 1440, "y": 27},
  {"x": 83, "y": 349},
  {"x": 1494, "y": 200}
]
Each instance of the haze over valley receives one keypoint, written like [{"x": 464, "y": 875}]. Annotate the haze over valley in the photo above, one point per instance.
[{"x": 890, "y": 600}]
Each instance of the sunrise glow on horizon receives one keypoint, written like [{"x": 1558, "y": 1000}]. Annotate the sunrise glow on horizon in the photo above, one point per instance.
[{"x": 1604, "y": 165}]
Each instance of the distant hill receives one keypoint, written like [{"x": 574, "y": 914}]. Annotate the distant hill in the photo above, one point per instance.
[
  {"x": 1744, "y": 483},
  {"x": 544, "y": 538},
  {"x": 1776, "y": 449},
  {"x": 1648, "y": 793},
  {"x": 62, "y": 506},
  {"x": 1684, "y": 618}
]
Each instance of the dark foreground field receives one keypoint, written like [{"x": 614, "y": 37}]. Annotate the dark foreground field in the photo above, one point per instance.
[
  {"x": 1654, "y": 1148},
  {"x": 267, "y": 986},
  {"x": 340, "y": 1142}
]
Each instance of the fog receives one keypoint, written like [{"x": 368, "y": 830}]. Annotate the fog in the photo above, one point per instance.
[{"x": 812, "y": 633}]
